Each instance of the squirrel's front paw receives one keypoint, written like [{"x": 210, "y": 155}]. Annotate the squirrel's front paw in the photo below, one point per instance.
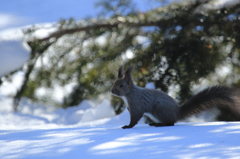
[{"x": 126, "y": 127}]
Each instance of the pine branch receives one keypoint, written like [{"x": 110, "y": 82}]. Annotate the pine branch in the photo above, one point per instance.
[{"x": 60, "y": 33}]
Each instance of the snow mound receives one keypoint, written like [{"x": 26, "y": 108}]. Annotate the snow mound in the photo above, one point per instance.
[
  {"x": 86, "y": 112},
  {"x": 14, "y": 51}
]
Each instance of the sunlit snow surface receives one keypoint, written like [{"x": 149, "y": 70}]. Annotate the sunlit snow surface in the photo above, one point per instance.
[{"x": 183, "y": 141}]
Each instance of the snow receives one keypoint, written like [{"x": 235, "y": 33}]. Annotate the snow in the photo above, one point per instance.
[
  {"x": 218, "y": 4},
  {"x": 201, "y": 140},
  {"x": 14, "y": 51},
  {"x": 10, "y": 20},
  {"x": 224, "y": 3},
  {"x": 7, "y": 54},
  {"x": 86, "y": 113},
  {"x": 45, "y": 30},
  {"x": 150, "y": 85}
]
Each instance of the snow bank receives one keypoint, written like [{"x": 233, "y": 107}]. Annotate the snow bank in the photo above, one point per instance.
[
  {"x": 85, "y": 112},
  {"x": 217, "y": 4},
  {"x": 9, "y": 89},
  {"x": 36, "y": 116},
  {"x": 223, "y": 3},
  {"x": 14, "y": 51},
  {"x": 12, "y": 56}
]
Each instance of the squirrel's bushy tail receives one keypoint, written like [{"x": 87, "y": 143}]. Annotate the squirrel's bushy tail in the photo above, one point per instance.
[{"x": 216, "y": 96}]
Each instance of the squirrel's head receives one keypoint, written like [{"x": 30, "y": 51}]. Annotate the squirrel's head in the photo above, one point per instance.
[{"x": 124, "y": 83}]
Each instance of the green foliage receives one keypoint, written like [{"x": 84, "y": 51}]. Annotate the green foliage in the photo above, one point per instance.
[{"x": 173, "y": 45}]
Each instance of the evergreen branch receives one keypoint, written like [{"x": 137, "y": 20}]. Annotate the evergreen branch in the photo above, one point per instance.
[
  {"x": 60, "y": 33},
  {"x": 160, "y": 23}
]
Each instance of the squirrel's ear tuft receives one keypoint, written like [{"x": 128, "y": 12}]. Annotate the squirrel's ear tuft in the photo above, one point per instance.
[
  {"x": 120, "y": 72},
  {"x": 128, "y": 76}
]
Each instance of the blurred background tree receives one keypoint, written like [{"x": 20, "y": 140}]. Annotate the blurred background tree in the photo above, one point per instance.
[{"x": 175, "y": 45}]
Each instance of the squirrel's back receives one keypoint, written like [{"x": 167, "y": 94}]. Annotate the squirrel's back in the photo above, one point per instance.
[{"x": 157, "y": 103}]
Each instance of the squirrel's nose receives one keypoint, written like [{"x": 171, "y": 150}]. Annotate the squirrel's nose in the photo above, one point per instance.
[{"x": 112, "y": 91}]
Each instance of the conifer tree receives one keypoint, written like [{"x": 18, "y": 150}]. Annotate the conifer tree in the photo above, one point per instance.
[{"x": 174, "y": 45}]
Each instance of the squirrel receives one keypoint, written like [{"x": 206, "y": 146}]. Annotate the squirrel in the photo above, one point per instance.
[{"x": 162, "y": 109}]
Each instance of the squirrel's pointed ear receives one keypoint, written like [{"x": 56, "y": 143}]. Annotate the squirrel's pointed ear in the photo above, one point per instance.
[
  {"x": 120, "y": 71},
  {"x": 128, "y": 76}
]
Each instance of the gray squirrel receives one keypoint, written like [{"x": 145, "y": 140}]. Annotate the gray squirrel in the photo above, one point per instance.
[{"x": 162, "y": 109}]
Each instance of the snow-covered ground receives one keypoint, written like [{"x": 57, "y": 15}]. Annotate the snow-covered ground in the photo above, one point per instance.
[{"x": 184, "y": 141}]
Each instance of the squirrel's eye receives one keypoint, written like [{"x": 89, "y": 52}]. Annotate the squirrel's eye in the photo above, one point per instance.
[{"x": 121, "y": 85}]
